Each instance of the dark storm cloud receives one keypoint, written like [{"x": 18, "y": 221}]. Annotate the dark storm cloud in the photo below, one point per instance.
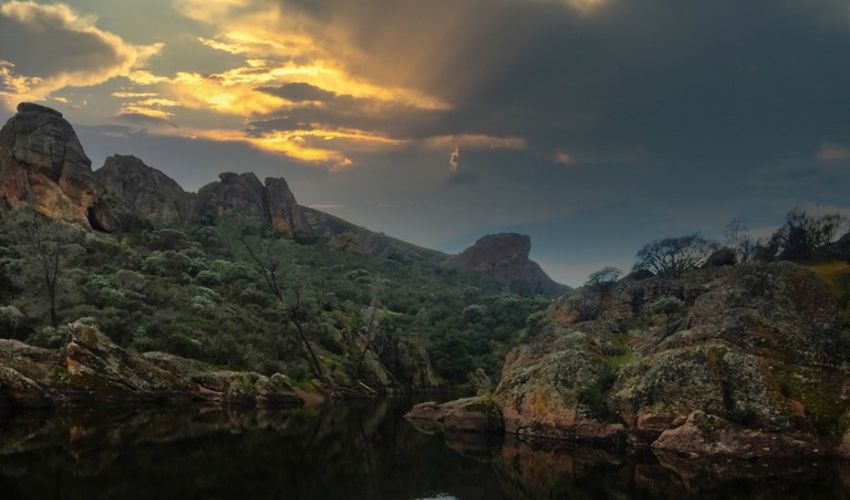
[
  {"x": 731, "y": 81},
  {"x": 300, "y": 91}
]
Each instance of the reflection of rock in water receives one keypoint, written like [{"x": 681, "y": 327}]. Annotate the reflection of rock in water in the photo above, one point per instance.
[
  {"x": 355, "y": 451},
  {"x": 540, "y": 468}
]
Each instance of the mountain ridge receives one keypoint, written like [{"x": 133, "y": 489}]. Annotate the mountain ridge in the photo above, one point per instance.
[{"x": 43, "y": 165}]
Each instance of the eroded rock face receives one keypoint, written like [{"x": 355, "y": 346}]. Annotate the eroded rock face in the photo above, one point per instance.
[
  {"x": 43, "y": 165},
  {"x": 241, "y": 194},
  {"x": 544, "y": 384},
  {"x": 149, "y": 192},
  {"x": 754, "y": 366},
  {"x": 245, "y": 196},
  {"x": 505, "y": 257},
  {"x": 286, "y": 215},
  {"x": 91, "y": 369}
]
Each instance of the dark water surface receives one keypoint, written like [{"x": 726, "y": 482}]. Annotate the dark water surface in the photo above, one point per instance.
[{"x": 362, "y": 450}]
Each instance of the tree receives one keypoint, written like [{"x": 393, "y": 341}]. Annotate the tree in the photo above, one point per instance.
[
  {"x": 10, "y": 318},
  {"x": 673, "y": 256},
  {"x": 604, "y": 279},
  {"x": 801, "y": 235},
  {"x": 48, "y": 247},
  {"x": 671, "y": 308},
  {"x": 262, "y": 250},
  {"x": 599, "y": 286},
  {"x": 736, "y": 235}
]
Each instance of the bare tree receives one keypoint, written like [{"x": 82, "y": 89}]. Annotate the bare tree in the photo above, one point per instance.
[
  {"x": 48, "y": 248},
  {"x": 736, "y": 235},
  {"x": 673, "y": 256},
  {"x": 262, "y": 252},
  {"x": 371, "y": 326}
]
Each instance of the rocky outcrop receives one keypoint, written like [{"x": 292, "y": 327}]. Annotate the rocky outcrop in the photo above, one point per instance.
[
  {"x": 43, "y": 165},
  {"x": 148, "y": 192},
  {"x": 709, "y": 435},
  {"x": 285, "y": 213},
  {"x": 505, "y": 258},
  {"x": 754, "y": 365},
  {"x": 244, "y": 194},
  {"x": 90, "y": 369},
  {"x": 551, "y": 388}
]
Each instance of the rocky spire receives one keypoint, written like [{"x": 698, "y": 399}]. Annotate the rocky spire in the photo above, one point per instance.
[{"x": 43, "y": 165}]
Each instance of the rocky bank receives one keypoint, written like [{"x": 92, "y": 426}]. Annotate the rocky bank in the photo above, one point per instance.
[
  {"x": 91, "y": 370},
  {"x": 755, "y": 365}
]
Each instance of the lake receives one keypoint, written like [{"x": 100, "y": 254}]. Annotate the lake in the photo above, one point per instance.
[{"x": 353, "y": 450}]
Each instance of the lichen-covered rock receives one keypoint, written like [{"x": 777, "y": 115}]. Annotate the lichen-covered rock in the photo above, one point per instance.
[
  {"x": 478, "y": 414},
  {"x": 91, "y": 369},
  {"x": 711, "y": 436},
  {"x": 227, "y": 387},
  {"x": 19, "y": 391},
  {"x": 546, "y": 385},
  {"x": 762, "y": 341},
  {"x": 758, "y": 348}
]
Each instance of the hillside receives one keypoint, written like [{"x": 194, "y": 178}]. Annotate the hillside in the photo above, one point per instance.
[{"x": 238, "y": 275}]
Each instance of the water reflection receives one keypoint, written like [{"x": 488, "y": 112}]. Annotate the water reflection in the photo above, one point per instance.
[{"x": 353, "y": 451}]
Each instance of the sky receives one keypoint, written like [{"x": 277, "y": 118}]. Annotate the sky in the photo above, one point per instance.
[{"x": 594, "y": 126}]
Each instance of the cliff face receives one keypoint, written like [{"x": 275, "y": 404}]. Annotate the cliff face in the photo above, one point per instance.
[
  {"x": 505, "y": 257},
  {"x": 147, "y": 191}
]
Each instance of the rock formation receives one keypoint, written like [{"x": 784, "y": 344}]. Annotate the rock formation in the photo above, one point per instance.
[
  {"x": 43, "y": 165},
  {"x": 91, "y": 369},
  {"x": 754, "y": 366},
  {"x": 147, "y": 191},
  {"x": 244, "y": 194},
  {"x": 285, "y": 213},
  {"x": 504, "y": 257}
]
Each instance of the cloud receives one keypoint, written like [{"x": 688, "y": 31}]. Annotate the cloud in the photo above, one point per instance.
[
  {"x": 563, "y": 158},
  {"x": 209, "y": 11},
  {"x": 63, "y": 49},
  {"x": 833, "y": 152},
  {"x": 299, "y": 92}
]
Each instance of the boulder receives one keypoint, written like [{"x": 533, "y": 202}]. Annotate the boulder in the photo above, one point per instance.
[
  {"x": 478, "y": 414},
  {"x": 548, "y": 386}
]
